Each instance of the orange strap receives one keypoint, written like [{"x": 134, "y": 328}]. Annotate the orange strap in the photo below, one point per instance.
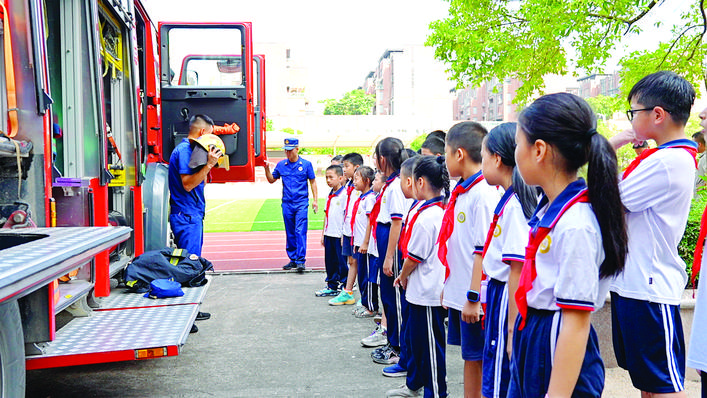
[
  {"x": 226, "y": 129},
  {"x": 9, "y": 75}
]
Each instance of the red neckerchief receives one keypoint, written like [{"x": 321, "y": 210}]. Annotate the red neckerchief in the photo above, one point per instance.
[
  {"x": 355, "y": 210},
  {"x": 447, "y": 227},
  {"x": 377, "y": 206},
  {"x": 685, "y": 144},
  {"x": 332, "y": 194},
  {"x": 576, "y": 192},
  {"x": 438, "y": 201},
  {"x": 349, "y": 189},
  {"x": 402, "y": 242},
  {"x": 497, "y": 213},
  {"x": 697, "y": 262}
]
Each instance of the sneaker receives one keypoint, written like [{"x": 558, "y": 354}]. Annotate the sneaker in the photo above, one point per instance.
[
  {"x": 344, "y": 298},
  {"x": 300, "y": 268},
  {"x": 194, "y": 328},
  {"x": 402, "y": 391},
  {"x": 202, "y": 316},
  {"x": 389, "y": 357},
  {"x": 365, "y": 313},
  {"x": 377, "y": 318},
  {"x": 289, "y": 266},
  {"x": 378, "y": 338},
  {"x": 326, "y": 292},
  {"x": 394, "y": 371},
  {"x": 378, "y": 352}
]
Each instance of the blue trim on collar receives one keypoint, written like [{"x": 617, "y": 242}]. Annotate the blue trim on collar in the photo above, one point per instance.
[
  {"x": 392, "y": 176},
  {"x": 678, "y": 142},
  {"x": 554, "y": 211},
  {"x": 414, "y": 203},
  {"x": 465, "y": 183},
  {"x": 363, "y": 195},
  {"x": 504, "y": 200},
  {"x": 341, "y": 188},
  {"x": 432, "y": 201}
]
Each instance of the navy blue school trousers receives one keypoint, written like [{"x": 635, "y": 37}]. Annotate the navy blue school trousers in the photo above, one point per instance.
[
  {"x": 295, "y": 218},
  {"x": 335, "y": 263},
  {"x": 393, "y": 298},
  {"x": 427, "y": 350},
  {"x": 368, "y": 280}
]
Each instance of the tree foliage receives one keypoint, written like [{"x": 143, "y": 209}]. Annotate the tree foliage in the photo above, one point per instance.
[
  {"x": 527, "y": 40},
  {"x": 355, "y": 102},
  {"x": 606, "y": 106}
]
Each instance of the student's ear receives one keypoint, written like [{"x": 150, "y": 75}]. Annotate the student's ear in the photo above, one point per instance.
[
  {"x": 497, "y": 161},
  {"x": 660, "y": 115},
  {"x": 460, "y": 154},
  {"x": 540, "y": 150}
]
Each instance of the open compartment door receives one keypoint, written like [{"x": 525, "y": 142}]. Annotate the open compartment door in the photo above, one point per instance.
[
  {"x": 260, "y": 117},
  {"x": 207, "y": 69}
]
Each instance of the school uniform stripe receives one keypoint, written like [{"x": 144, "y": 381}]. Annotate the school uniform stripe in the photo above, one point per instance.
[
  {"x": 398, "y": 303},
  {"x": 433, "y": 352},
  {"x": 672, "y": 365},
  {"x": 396, "y": 216},
  {"x": 575, "y": 304},
  {"x": 554, "y": 333},
  {"x": 512, "y": 257},
  {"x": 415, "y": 258},
  {"x": 478, "y": 249},
  {"x": 500, "y": 343}
]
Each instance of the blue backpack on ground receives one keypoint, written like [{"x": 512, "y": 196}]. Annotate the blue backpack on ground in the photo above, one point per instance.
[{"x": 161, "y": 288}]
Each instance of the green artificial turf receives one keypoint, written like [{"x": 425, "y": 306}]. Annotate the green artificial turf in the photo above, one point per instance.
[{"x": 242, "y": 215}]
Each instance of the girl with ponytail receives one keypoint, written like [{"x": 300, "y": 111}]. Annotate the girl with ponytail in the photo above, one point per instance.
[
  {"x": 422, "y": 277},
  {"x": 577, "y": 242},
  {"x": 503, "y": 255}
]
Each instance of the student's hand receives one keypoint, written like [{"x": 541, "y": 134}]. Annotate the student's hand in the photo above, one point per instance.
[
  {"x": 623, "y": 138},
  {"x": 388, "y": 266},
  {"x": 315, "y": 207},
  {"x": 471, "y": 313},
  {"x": 401, "y": 282},
  {"x": 322, "y": 240},
  {"x": 214, "y": 155},
  {"x": 441, "y": 299},
  {"x": 363, "y": 249}
]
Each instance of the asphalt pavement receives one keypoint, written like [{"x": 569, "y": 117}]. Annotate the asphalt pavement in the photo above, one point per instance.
[{"x": 268, "y": 336}]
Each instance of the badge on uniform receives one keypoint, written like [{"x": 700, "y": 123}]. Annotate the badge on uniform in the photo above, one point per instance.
[
  {"x": 193, "y": 257},
  {"x": 299, "y": 168}
]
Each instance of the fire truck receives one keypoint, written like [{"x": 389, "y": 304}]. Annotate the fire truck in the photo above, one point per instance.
[{"x": 94, "y": 97}]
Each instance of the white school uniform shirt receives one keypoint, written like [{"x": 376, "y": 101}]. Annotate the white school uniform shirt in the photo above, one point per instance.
[
  {"x": 568, "y": 260},
  {"x": 350, "y": 199},
  {"x": 473, "y": 213},
  {"x": 361, "y": 221},
  {"x": 334, "y": 223},
  {"x": 426, "y": 281},
  {"x": 394, "y": 204},
  {"x": 657, "y": 197},
  {"x": 509, "y": 238}
]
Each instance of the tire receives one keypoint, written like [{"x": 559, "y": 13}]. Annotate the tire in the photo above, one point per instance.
[{"x": 12, "y": 352}]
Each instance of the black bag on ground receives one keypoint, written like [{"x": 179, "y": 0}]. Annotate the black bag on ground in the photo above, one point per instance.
[{"x": 176, "y": 264}]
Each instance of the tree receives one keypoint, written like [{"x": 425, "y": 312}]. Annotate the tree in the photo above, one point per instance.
[
  {"x": 606, "y": 106},
  {"x": 355, "y": 102},
  {"x": 527, "y": 40}
]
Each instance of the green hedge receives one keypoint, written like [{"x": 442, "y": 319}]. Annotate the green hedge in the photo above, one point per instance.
[{"x": 686, "y": 248}]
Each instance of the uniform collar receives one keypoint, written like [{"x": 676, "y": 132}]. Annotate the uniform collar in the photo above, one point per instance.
[
  {"x": 392, "y": 177},
  {"x": 465, "y": 183},
  {"x": 341, "y": 188},
  {"x": 363, "y": 195},
  {"x": 558, "y": 206},
  {"x": 431, "y": 202},
  {"x": 679, "y": 142},
  {"x": 504, "y": 200}
]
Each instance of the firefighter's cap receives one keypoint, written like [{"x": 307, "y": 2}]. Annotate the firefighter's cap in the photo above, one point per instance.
[{"x": 200, "y": 152}]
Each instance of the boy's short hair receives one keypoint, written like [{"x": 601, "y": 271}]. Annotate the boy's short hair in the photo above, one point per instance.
[
  {"x": 699, "y": 137},
  {"x": 411, "y": 153},
  {"x": 468, "y": 136},
  {"x": 354, "y": 158},
  {"x": 337, "y": 169},
  {"x": 201, "y": 118},
  {"x": 337, "y": 158},
  {"x": 437, "y": 134},
  {"x": 667, "y": 90},
  {"x": 434, "y": 144}
]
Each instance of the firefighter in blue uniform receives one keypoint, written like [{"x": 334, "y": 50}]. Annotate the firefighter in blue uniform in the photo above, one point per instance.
[{"x": 295, "y": 172}]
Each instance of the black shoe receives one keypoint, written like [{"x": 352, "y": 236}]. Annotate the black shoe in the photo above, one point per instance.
[
  {"x": 202, "y": 316},
  {"x": 194, "y": 329},
  {"x": 289, "y": 266},
  {"x": 300, "y": 268}
]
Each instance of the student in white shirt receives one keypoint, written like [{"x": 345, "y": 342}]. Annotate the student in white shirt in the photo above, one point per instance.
[
  {"x": 461, "y": 242},
  {"x": 334, "y": 261},
  {"x": 504, "y": 253},
  {"x": 351, "y": 162},
  {"x": 656, "y": 191},
  {"x": 577, "y": 243},
  {"x": 422, "y": 277}
]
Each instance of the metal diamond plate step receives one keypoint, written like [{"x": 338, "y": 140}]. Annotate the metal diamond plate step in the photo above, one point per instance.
[{"x": 122, "y": 298}]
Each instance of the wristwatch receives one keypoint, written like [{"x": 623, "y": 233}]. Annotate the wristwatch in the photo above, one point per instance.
[{"x": 472, "y": 296}]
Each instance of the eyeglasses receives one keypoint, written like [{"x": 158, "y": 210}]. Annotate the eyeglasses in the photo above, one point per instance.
[{"x": 631, "y": 112}]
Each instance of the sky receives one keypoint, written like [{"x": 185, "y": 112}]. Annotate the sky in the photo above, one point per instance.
[{"x": 338, "y": 42}]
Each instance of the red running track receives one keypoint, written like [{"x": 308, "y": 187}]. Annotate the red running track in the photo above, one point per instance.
[{"x": 257, "y": 251}]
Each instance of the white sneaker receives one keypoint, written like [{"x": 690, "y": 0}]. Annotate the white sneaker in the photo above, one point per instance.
[
  {"x": 378, "y": 338},
  {"x": 403, "y": 391}
]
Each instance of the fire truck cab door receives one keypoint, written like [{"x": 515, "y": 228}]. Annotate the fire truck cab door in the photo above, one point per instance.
[
  {"x": 260, "y": 117},
  {"x": 207, "y": 69}
]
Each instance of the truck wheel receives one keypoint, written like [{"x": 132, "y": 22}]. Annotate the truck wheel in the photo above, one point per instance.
[{"x": 12, "y": 352}]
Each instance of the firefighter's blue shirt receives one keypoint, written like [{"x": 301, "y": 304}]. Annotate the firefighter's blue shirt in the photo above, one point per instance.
[
  {"x": 190, "y": 203},
  {"x": 294, "y": 180}
]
